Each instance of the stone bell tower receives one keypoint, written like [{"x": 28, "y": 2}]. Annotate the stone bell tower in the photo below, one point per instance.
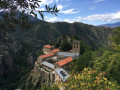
[{"x": 76, "y": 46}]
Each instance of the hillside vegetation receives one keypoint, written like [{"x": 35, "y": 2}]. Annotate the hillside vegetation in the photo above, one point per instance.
[
  {"x": 95, "y": 69},
  {"x": 43, "y": 33},
  {"x": 30, "y": 42}
]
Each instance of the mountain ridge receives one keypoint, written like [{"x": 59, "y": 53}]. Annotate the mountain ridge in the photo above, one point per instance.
[
  {"x": 43, "y": 32},
  {"x": 111, "y": 25}
]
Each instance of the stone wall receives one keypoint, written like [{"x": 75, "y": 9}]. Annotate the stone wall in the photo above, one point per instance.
[{"x": 40, "y": 75}]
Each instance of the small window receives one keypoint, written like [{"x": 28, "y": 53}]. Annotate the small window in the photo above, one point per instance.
[
  {"x": 74, "y": 46},
  {"x": 77, "y": 46}
]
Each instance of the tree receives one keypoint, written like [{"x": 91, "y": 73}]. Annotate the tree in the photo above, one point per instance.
[
  {"x": 109, "y": 62},
  {"x": 82, "y": 62},
  {"x": 57, "y": 44},
  {"x": 108, "y": 59},
  {"x": 11, "y": 14},
  {"x": 84, "y": 47},
  {"x": 44, "y": 87},
  {"x": 115, "y": 38},
  {"x": 65, "y": 46}
]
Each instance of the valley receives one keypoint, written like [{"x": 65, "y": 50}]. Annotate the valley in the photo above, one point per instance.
[{"x": 32, "y": 40}]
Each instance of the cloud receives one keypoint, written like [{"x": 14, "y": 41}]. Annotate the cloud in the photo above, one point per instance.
[
  {"x": 46, "y": 2},
  {"x": 96, "y": 1},
  {"x": 104, "y": 17},
  {"x": 59, "y": 7},
  {"x": 101, "y": 17},
  {"x": 56, "y": 0},
  {"x": 70, "y": 11},
  {"x": 54, "y": 19}
]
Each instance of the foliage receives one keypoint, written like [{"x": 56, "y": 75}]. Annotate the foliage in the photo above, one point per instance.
[
  {"x": 82, "y": 62},
  {"x": 109, "y": 62},
  {"x": 88, "y": 79},
  {"x": 65, "y": 46},
  {"x": 18, "y": 11},
  {"x": 44, "y": 87},
  {"x": 39, "y": 52},
  {"x": 116, "y": 35},
  {"x": 75, "y": 37},
  {"x": 26, "y": 6},
  {"x": 84, "y": 47},
  {"x": 22, "y": 68},
  {"x": 85, "y": 60},
  {"x": 115, "y": 38},
  {"x": 57, "y": 44},
  {"x": 12, "y": 81},
  {"x": 39, "y": 34}
]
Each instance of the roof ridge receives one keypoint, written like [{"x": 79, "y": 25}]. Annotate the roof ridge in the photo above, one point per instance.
[{"x": 64, "y": 61}]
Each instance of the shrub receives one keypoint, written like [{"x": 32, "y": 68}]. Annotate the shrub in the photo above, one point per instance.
[{"x": 88, "y": 79}]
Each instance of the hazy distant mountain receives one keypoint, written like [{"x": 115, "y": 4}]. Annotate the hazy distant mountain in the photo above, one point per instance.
[{"x": 112, "y": 25}]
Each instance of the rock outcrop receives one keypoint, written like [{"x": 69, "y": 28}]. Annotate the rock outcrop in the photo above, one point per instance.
[{"x": 36, "y": 77}]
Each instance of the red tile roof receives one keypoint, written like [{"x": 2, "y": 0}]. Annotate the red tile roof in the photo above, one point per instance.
[
  {"x": 55, "y": 50},
  {"x": 70, "y": 50},
  {"x": 48, "y": 46},
  {"x": 47, "y": 55},
  {"x": 64, "y": 61}
]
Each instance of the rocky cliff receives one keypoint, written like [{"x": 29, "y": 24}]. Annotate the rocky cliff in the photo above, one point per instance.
[
  {"x": 9, "y": 49},
  {"x": 33, "y": 81}
]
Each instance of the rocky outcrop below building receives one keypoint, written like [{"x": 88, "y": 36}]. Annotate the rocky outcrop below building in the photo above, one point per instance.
[{"x": 36, "y": 77}]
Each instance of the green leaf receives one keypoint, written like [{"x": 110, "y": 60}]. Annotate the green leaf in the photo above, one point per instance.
[
  {"x": 42, "y": 16},
  {"x": 46, "y": 7},
  {"x": 54, "y": 7}
]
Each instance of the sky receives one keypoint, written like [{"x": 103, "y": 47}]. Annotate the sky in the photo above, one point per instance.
[{"x": 95, "y": 12}]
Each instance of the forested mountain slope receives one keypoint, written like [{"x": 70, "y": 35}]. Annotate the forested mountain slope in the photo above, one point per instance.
[{"x": 43, "y": 32}]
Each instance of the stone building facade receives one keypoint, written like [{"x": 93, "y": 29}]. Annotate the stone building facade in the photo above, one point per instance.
[{"x": 76, "y": 46}]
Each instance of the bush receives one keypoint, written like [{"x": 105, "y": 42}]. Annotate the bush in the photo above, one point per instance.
[
  {"x": 110, "y": 63},
  {"x": 88, "y": 79}
]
